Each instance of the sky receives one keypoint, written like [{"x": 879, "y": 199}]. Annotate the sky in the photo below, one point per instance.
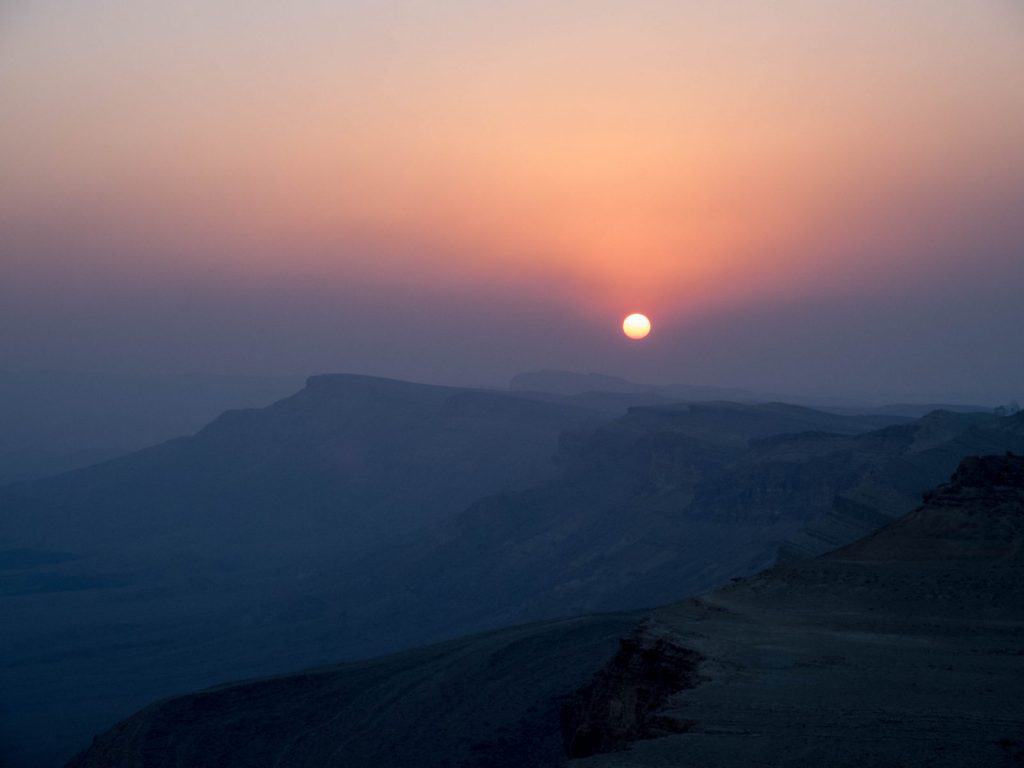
[{"x": 804, "y": 196}]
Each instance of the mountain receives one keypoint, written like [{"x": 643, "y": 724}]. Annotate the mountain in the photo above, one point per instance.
[
  {"x": 55, "y": 421},
  {"x": 658, "y": 503},
  {"x": 592, "y": 537},
  {"x": 897, "y": 464},
  {"x": 176, "y": 566},
  {"x": 363, "y": 516},
  {"x": 903, "y": 648},
  {"x": 352, "y": 457}
]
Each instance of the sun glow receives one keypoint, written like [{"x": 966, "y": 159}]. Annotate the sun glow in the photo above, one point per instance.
[{"x": 636, "y": 326}]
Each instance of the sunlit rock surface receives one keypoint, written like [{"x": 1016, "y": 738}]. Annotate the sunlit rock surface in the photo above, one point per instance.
[{"x": 905, "y": 648}]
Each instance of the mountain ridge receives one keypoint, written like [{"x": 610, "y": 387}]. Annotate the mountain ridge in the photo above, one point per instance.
[
  {"x": 178, "y": 562},
  {"x": 301, "y": 533},
  {"x": 832, "y": 661}
]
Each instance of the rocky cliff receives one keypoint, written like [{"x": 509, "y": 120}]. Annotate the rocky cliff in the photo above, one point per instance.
[
  {"x": 905, "y": 648},
  {"x": 621, "y": 703}
]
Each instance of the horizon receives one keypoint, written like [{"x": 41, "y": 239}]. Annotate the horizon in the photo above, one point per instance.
[
  {"x": 802, "y": 198},
  {"x": 806, "y": 398}
]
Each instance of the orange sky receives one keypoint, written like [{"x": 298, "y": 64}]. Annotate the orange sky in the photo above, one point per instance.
[{"x": 680, "y": 157}]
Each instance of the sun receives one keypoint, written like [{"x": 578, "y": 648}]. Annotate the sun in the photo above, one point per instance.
[{"x": 636, "y": 326}]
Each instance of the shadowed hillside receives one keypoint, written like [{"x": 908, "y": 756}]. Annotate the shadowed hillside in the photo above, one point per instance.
[
  {"x": 490, "y": 700},
  {"x": 176, "y": 566},
  {"x": 901, "y": 649}
]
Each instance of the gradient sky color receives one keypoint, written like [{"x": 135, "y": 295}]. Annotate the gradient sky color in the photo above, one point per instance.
[{"x": 803, "y": 195}]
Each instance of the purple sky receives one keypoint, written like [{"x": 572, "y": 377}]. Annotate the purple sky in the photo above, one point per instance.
[{"x": 804, "y": 197}]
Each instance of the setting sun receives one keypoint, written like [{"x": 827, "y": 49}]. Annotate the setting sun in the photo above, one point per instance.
[{"x": 636, "y": 326}]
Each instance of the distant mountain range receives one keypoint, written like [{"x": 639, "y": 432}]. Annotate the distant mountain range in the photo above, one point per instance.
[
  {"x": 572, "y": 383},
  {"x": 662, "y": 502},
  {"x": 350, "y": 458},
  {"x": 585, "y": 385},
  {"x": 902, "y": 648},
  {"x": 56, "y": 421},
  {"x": 176, "y": 565},
  {"x": 366, "y": 515}
]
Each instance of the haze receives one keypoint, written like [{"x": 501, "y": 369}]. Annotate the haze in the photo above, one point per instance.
[{"x": 803, "y": 196}]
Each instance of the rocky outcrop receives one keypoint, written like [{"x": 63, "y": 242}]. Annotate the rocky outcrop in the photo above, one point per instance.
[
  {"x": 903, "y": 649},
  {"x": 622, "y": 703},
  {"x": 977, "y": 516},
  {"x": 989, "y": 472}
]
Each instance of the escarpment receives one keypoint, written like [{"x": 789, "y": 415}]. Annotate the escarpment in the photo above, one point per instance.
[{"x": 622, "y": 702}]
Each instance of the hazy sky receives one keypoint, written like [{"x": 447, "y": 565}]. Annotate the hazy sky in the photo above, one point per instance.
[{"x": 804, "y": 195}]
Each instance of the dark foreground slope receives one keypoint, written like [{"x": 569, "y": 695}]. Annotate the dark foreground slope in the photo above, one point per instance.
[
  {"x": 488, "y": 700},
  {"x": 903, "y": 649}
]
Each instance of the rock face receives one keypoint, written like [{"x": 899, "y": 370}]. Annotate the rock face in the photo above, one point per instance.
[
  {"x": 976, "y": 516},
  {"x": 898, "y": 464},
  {"x": 621, "y": 703},
  {"x": 905, "y": 648}
]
